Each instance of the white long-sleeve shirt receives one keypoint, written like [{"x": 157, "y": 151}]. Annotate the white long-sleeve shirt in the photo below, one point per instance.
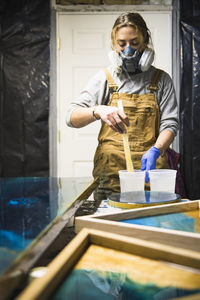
[{"x": 97, "y": 92}]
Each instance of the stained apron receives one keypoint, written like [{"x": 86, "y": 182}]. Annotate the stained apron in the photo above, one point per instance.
[{"x": 144, "y": 118}]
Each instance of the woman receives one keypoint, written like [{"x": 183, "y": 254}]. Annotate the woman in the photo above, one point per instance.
[{"x": 150, "y": 108}]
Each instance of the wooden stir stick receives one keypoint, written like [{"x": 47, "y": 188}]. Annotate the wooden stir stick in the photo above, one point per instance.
[{"x": 129, "y": 163}]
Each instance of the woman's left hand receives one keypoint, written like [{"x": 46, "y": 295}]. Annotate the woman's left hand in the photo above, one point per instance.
[{"x": 148, "y": 161}]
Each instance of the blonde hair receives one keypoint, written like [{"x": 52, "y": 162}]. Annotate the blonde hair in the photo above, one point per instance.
[{"x": 134, "y": 20}]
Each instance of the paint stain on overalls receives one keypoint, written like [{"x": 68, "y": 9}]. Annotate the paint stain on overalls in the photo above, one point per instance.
[{"x": 144, "y": 117}]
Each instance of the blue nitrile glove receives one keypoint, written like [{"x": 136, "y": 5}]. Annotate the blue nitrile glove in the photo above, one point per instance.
[{"x": 148, "y": 161}]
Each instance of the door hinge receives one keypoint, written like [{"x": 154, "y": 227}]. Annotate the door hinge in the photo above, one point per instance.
[
  {"x": 59, "y": 136},
  {"x": 58, "y": 43}
]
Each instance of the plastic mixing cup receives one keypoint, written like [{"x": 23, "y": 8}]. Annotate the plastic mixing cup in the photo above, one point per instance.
[
  {"x": 163, "y": 180},
  {"x": 131, "y": 181}
]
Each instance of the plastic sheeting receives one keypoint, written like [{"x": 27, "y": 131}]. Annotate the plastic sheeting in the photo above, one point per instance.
[
  {"x": 24, "y": 87},
  {"x": 190, "y": 96}
]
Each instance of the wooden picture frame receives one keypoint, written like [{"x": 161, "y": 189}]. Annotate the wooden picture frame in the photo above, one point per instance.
[
  {"x": 110, "y": 222},
  {"x": 60, "y": 268}
]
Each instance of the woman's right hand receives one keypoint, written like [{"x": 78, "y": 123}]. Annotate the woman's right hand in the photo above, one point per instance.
[{"x": 113, "y": 116}]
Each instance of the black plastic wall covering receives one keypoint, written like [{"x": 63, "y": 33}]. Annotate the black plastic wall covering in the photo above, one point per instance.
[
  {"x": 190, "y": 96},
  {"x": 24, "y": 87}
]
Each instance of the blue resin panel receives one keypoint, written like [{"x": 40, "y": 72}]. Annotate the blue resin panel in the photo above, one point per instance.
[
  {"x": 27, "y": 206},
  {"x": 89, "y": 285},
  {"x": 177, "y": 221}
]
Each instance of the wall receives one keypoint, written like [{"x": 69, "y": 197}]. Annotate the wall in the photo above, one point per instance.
[{"x": 24, "y": 85}]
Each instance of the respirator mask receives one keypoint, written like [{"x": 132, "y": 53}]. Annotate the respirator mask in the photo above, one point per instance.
[
  {"x": 130, "y": 59},
  {"x": 133, "y": 61}
]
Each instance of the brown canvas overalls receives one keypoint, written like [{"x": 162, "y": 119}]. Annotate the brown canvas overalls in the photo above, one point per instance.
[{"x": 144, "y": 118}]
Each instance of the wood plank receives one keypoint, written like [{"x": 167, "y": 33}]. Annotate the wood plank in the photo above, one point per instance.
[
  {"x": 187, "y": 240},
  {"x": 147, "y": 249},
  {"x": 127, "y": 151},
  {"x": 109, "y": 222},
  {"x": 58, "y": 269},
  {"x": 150, "y": 211}
]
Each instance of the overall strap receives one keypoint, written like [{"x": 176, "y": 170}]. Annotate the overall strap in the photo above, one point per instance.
[
  {"x": 111, "y": 84},
  {"x": 154, "y": 83}
]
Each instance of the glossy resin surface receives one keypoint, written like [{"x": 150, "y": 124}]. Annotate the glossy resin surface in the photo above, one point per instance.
[
  {"x": 187, "y": 221},
  {"x": 104, "y": 273},
  {"x": 27, "y": 206}
]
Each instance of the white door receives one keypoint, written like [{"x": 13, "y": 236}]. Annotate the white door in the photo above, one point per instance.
[{"x": 84, "y": 45}]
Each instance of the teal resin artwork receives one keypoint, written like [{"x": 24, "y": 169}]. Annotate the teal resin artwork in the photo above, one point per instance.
[
  {"x": 89, "y": 285},
  {"x": 28, "y": 206},
  {"x": 176, "y": 221}
]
